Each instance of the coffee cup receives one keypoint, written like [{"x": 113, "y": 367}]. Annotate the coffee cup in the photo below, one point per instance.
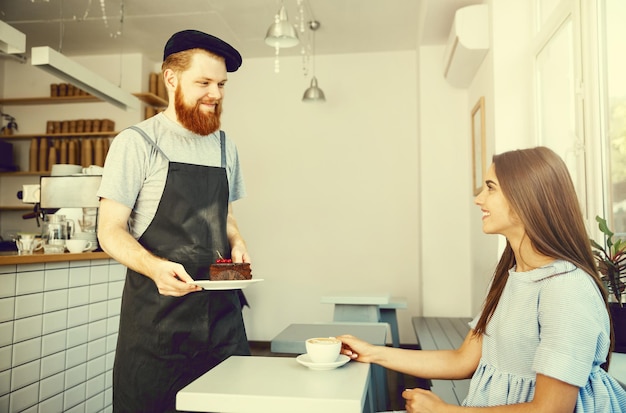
[
  {"x": 27, "y": 244},
  {"x": 323, "y": 349},
  {"x": 77, "y": 245}
]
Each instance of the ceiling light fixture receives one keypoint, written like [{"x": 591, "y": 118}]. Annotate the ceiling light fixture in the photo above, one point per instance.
[
  {"x": 281, "y": 34},
  {"x": 65, "y": 68},
  {"x": 313, "y": 93},
  {"x": 12, "y": 42}
]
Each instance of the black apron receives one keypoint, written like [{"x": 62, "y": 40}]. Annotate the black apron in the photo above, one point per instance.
[{"x": 166, "y": 342}]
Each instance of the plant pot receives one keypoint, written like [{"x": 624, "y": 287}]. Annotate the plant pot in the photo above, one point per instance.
[{"x": 618, "y": 315}]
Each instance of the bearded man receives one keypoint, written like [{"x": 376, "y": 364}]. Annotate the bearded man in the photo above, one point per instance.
[{"x": 166, "y": 214}]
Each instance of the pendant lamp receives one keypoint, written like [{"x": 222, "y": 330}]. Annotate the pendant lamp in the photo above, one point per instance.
[
  {"x": 313, "y": 93},
  {"x": 281, "y": 33}
]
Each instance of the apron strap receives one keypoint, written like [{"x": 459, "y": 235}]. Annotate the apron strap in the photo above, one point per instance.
[
  {"x": 154, "y": 145},
  {"x": 223, "y": 148},
  {"x": 150, "y": 141}
]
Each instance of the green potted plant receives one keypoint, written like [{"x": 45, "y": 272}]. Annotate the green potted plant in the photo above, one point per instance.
[{"x": 611, "y": 261}]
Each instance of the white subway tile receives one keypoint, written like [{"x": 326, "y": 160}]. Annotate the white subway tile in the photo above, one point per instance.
[
  {"x": 6, "y": 269},
  {"x": 30, "y": 267},
  {"x": 74, "y": 401},
  {"x": 77, "y": 316},
  {"x": 96, "y": 348},
  {"x": 54, "y": 321},
  {"x": 77, "y": 336},
  {"x": 27, "y": 328},
  {"x": 79, "y": 276},
  {"x": 95, "y": 403},
  {"x": 29, "y": 282},
  {"x": 75, "y": 356},
  {"x": 74, "y": 377},
  {"x": 97, "y": 329},
  {"x": 78, "y": 296},
  {"x": 98, "y": 311},
  {"x": 5, "y": 383},
  {"x": 53, "y": 343},
  {"x": 111, "y": 342},
  {"x": 116, "y": 288},
  {"x": 52, "y": 386},
  {"x": 95, "y": 386},
  {"x": 98, "y": 292},
  {"x": 4, "y": 403},
  {"x": 7, "y": 285},
  {"x": 99, "y": 274},
  {"x": 110, "y": 360},
  {"x": 113, "y": 325},
  {"x": 6, "y": 333},
  {"x": 54, "y": 300},
  {"x": 6, "y": 353},
  {"x": 25, "y": 374},
  {"x": 26, "y": 351},
  {"x": 24, "y": 398},
  {"x": 57, "y": 279},
  {"x": 7, "y": 309},
  {"x": 53, "y": 404},
  {"x": 96, "y": 367},
  {"x": 114, "y": 307},
  {"x": 53, "y": 364},
  {"x": 117, "y": 272},
  {"x": 27, "y": 305}
]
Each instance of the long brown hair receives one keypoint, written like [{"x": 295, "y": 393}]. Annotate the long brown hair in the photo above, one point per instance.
[{"x": 539, "y": 189}]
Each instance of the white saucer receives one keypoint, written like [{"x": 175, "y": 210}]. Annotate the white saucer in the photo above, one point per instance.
[
  {"x": 305, "y": 360},
  {"x": 226, "y": 284}
]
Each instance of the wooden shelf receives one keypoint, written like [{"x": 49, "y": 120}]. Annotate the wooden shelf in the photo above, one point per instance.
[
  {"x": 61, "y": 135},
  {"x": 47, "y": 100},
  {"x": 152, "y": 99},
  {"x": 148, "y": 98}
]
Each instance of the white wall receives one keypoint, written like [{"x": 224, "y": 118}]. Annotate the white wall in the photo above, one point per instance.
[{"x": 332, "y": 188}]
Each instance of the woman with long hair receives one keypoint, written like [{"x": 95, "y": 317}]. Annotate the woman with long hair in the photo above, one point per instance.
[{"x": 543, "y": 338}]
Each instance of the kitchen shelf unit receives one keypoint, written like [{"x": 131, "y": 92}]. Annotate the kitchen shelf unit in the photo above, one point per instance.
[
  {"x": 148, "y": 98},
  {"x": 62, "y": 135}
]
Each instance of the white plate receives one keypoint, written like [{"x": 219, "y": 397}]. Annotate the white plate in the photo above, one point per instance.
[
  {"x": 305, "y": 360},
  {"x": 227, "y": 284}
]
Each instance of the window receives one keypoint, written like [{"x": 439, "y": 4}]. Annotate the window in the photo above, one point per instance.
[{"x": 613, "y": 33}]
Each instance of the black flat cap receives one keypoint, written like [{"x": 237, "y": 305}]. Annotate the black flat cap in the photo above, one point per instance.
[{"x": 194, "y": 39}]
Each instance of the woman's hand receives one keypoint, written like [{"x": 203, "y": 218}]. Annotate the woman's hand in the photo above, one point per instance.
[
  {"x": 421, "y": 401},
  {"x": 357, "y": 349}
]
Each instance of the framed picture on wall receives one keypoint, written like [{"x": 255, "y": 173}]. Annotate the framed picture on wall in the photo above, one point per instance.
[{"x": 478, "y": 145}]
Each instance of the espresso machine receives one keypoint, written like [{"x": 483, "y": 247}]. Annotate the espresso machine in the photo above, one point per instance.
[{"x": 64, "y": 193}]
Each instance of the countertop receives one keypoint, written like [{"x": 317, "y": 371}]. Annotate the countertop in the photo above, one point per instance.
[{"x": 11, "y": 257}]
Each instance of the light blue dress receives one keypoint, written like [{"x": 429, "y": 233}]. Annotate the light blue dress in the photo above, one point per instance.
[{"x": 552, "y": 321}]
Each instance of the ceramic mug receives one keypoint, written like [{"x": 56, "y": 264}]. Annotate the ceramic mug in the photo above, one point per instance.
[
  {"x": 27, "y": 244},
  {"x": 77, "y": 245},
  {"x": 323, "y": 349}
]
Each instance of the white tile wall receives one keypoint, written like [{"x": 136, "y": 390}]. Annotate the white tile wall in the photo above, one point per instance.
[{"x": 58, "y": 330}]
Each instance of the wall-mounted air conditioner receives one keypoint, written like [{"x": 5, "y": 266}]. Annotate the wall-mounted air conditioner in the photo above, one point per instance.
[{"x": 468, "y": 44}]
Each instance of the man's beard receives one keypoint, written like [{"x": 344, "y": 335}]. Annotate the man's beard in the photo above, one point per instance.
[{"x": 192, "y": 118}]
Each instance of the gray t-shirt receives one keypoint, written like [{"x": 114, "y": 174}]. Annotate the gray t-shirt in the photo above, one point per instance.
[{"x": 135, "y": 172}]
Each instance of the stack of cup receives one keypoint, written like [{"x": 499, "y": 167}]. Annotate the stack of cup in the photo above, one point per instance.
[{"x": 90, "y": 237}]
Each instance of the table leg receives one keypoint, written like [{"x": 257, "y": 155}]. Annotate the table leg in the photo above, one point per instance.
[
  {"x": 356, "y": 312},
  {"x": 388, "y": 315}
]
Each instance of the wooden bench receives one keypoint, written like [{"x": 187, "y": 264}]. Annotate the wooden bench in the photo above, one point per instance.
[{"x": 441, "y": 333}]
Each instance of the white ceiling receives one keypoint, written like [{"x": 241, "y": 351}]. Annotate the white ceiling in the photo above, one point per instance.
[{"x": 84, "y": 27}]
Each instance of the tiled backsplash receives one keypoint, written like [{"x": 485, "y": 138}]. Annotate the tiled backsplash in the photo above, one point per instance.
[{"x": 58, "y": 331}]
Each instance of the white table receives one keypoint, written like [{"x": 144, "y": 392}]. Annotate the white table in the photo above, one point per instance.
[
  {"x": 292, "y": 340},
  {"x": 368, "y": 308},
  {"x": 242, "y": 384}
]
